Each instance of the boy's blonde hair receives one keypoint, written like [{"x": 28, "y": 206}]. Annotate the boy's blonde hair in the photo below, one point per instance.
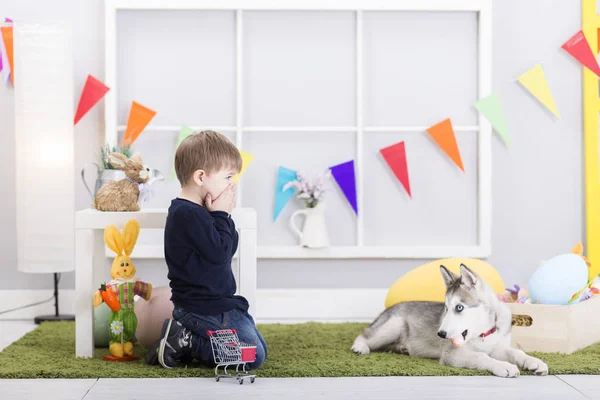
[{"x": 206, "y": 150}]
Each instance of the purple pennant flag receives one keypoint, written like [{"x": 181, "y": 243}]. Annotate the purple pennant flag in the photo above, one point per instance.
[
  {"x": 8, "y": 20},
  {"x": 346, "y": 179}
]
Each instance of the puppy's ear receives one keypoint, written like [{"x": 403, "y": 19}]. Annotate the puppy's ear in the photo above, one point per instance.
[
  {"x": 449, "y": 276},
  {"x": 468, "y": 277}
]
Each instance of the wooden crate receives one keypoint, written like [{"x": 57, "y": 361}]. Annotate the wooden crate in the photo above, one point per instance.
[{"x": 562, "y": 329}]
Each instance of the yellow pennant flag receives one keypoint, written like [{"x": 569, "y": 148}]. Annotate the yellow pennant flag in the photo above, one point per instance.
[
  {"x": 534, "y": 80},
  {"x": 246, "y": 160}
]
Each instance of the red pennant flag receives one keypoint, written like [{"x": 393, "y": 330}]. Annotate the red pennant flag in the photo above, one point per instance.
[
  {"x": 395, "y": 156},
  {"x": 580, "y": 49},
  {"x": 92, "y": 92},
  {"x": 139, "y": 117},
  {"x": 443, "y": 134}
]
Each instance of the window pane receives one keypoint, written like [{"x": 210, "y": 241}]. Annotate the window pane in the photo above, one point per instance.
[
  {"x": 178, "y": 63},
  {"x": 299, "y": 68},
  {"x": 420, "y": 68},
  {"x": 443, "y": 210},
  {"x": 311, "y": 153}
]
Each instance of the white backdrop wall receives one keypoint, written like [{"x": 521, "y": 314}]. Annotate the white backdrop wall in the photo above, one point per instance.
[{"x": 537, "y": 183}]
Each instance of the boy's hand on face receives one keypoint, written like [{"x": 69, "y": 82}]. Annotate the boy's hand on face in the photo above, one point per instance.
[{"x": 224, "y": 202}]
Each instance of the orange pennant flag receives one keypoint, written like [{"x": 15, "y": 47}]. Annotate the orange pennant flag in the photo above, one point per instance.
[
  {"x": 7, "y": 35},
  {"x": 139, "y": 118},
  {"x": 443, "y": 134}
]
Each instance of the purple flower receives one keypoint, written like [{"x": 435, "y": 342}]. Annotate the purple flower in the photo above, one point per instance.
[{"x": 309, "y": 191}]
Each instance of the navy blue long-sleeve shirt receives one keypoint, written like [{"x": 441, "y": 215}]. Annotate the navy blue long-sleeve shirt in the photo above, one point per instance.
[{"x": 199, "y": 246}]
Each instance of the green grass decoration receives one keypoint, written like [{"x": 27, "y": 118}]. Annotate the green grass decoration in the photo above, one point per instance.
[{"x": 304, "y": 350}]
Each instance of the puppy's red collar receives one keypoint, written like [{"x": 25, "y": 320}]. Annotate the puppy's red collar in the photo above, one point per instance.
[{"x": 488, "y": 333}]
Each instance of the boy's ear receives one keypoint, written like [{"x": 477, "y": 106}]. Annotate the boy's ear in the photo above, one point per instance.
[{"x": 199, "y": 176}]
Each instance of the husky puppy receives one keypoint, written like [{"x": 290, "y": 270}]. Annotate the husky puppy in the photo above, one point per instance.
[{"x": 470, "y": 330}]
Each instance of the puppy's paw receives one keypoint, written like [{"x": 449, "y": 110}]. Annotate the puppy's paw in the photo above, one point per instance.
[
  {"x": 505, "y": 369},
  {"x": 360, "y": 346},
  {"x": 537, "y": 366}
]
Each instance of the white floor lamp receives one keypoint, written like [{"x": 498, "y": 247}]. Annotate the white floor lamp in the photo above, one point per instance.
[{"x": 45, "y": 176}]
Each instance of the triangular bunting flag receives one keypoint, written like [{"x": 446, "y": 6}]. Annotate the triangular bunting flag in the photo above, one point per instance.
[
  {"x": 534, "y": 80},
  {"x": 246, "y": 160},
  {"x": 7, "y": 38},
  {"x": 579, "y": 48},
  {"x": 93, "y": 91},
  {"x": 491, "y": 109},
  {"x": 282, "y": 197},
  {"x": 139, "y": 117},
  {"x": 8, "y": 20},
  {"x": 395, "y": 156},
  {"x": 346, "y": 179},
  {"x": 4, "y": 57},
  {"x": 443, "y": 134},
  {"x": 183, "y": 133}
]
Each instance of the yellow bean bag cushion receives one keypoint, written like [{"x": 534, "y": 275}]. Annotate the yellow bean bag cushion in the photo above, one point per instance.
[{"x": 425, "y": 283}]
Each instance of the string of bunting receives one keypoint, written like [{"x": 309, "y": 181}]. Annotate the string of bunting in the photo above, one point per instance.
[{"x": 490, "y": 107}]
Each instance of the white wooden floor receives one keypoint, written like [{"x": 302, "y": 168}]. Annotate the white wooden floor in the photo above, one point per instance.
[{"x": 570, "y": 387}]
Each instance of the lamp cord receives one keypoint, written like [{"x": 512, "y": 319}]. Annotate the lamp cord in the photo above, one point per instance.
[{"x": 32, "y": 304}]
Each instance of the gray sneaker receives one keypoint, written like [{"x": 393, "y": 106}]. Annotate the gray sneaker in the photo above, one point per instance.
[{"x": 175, "y": 344}]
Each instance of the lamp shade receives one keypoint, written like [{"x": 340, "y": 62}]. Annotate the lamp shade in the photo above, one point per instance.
[{"x": 43, "y": 92}]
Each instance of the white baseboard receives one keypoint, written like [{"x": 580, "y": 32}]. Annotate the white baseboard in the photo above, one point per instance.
[{"x": 273, "y": 305}]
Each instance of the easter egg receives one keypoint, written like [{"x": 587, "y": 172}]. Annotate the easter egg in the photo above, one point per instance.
[
  {"x": 101, "y": 330},
  {"x": 558, "y": 279},
  {"x": 151, "y": 315}
]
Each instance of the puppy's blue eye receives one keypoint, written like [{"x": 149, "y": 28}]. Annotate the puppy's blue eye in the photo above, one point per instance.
[{"x": 459, "y": 308}]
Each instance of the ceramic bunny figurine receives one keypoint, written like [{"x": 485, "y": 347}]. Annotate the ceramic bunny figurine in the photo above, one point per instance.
[
  {"x": 126, "y": 194},
  {"x": 124, "y": 286}
]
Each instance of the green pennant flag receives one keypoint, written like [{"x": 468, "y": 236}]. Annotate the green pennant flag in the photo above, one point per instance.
[
  {"x": 183, "y": 133},
  {"x": 491, "y": 109}
]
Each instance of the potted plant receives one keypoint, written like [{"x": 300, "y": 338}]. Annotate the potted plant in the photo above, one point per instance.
[
  {"x": 105, "y": 172},
  {"x": 312, "y": 193}
]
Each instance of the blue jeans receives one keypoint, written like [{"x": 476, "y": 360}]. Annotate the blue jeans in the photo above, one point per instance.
[{"x": 236, "y": 319}]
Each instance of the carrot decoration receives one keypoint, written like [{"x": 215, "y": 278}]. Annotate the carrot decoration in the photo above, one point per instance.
[{"x": 110, "y": 298}]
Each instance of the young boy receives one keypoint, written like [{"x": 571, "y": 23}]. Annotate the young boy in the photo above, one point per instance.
[{"x": 200, "y": 241}]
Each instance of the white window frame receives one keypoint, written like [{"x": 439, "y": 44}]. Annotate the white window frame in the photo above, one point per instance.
[{"x": 484, "y": 80}]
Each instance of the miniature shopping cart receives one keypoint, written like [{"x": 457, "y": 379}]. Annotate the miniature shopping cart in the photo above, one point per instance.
[{"x": 228, "y": 351}]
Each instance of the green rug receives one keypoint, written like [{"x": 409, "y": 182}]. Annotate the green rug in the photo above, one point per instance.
[{"x": 306, "y": 350}]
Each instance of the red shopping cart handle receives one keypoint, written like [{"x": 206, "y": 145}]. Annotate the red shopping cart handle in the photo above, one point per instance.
[{"x": 210, "y": 333}]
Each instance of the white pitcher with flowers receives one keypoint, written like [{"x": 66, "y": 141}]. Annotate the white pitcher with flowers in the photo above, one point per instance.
[{"x": 314, "y": 230}]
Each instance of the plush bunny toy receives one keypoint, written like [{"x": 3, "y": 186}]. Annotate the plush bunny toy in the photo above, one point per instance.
[
  {"x": 119, "y": 292},
  {"x": 126, "y": 194}
]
